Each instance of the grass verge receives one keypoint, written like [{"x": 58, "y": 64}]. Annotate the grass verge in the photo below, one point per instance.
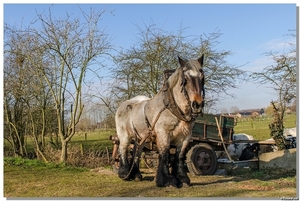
[{"x": 30, "y": 178}]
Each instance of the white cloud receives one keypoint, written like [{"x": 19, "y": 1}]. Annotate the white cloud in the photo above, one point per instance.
[
  {"x": 280, "y": 45},
  {"x": 259, "y": 64}
]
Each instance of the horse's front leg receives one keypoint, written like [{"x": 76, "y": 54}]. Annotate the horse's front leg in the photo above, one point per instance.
[
  {"x": 163, "y": 176},
  {"x": 179, "y": 170}
]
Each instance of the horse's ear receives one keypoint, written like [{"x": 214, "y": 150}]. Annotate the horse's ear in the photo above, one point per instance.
[
  {"x": 200, "y": 60},
  {"x": 181, "y": 61}
]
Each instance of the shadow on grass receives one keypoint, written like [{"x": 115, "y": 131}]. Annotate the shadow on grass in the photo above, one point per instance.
[
  {"x": 237, "y": 176},
  {"x": 212, "y": 182}
]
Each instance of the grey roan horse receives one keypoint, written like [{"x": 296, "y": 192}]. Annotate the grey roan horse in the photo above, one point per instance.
[{"x": 166, "y": 119}]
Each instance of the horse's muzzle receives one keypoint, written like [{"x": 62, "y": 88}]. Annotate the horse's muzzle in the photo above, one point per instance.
[
  {"x": 196, "y": 114},
  {"x": 197, "y": 108}
]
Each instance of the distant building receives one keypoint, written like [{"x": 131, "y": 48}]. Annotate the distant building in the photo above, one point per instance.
[{"x": 249, "y": 112}]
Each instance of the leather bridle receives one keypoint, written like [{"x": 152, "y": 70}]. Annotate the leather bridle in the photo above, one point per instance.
[{"x": 171, "y": 104}]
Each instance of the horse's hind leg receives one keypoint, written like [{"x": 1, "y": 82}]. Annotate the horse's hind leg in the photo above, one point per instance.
[
  {"x": 135, "y": 173},
  {"x": 163, "y": 176},
  {"x": 124, "y": 164},
  {"x": 128, "y": 170}
]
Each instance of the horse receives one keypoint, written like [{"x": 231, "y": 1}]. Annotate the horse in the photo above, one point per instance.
[{"x": 166, "y": 119}]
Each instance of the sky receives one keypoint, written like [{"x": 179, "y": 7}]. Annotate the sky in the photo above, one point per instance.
[{"x": 248, "y": 31}]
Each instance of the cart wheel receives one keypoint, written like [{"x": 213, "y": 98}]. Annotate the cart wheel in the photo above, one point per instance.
[{"x": 201, "y": 160}]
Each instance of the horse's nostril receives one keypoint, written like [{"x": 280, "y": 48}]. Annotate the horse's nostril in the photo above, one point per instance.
[{"x": 195, "y": 105}]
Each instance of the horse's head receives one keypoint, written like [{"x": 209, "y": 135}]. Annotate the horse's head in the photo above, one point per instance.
[{"x": 192, "y": 82}]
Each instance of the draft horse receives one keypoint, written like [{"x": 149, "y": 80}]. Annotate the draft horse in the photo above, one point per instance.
[{"x": 166, "y": 119}]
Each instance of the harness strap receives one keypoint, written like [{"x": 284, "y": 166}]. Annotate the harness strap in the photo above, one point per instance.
[
  {"x": 141, "y": 144},
  {"x": 135, "y": 152},
  {"x": 172, "y": 106},
  {"x": 156, "y": 119}
]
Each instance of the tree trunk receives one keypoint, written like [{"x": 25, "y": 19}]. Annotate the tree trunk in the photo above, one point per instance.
[
  {"x": 277, "y": 128},
  {"x": 64, "y": 151}
]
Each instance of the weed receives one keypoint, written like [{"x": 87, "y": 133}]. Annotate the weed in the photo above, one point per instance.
[{"x": 258, "y": 174}]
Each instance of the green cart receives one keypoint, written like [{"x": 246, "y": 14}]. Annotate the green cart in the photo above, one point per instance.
[{"x": 210, "y": 133}]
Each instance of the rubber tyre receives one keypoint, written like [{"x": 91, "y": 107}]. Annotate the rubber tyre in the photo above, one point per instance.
[{"x": 201, "y": 159}]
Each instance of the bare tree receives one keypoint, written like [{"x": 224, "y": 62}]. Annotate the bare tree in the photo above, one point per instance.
[
  {"x": 282, "y": 76},
  {"x": 220, "y": 76},
  {"x": 73, "y": 46},
  {"x": 14, "y": 106},
  {"x": 26, "y": 96},
  {"x": 224, "y": 111},
  {"x": 139, "y": 70},
  {"x": 234, "y": 109},
  {"x": 60, "y": 54}
]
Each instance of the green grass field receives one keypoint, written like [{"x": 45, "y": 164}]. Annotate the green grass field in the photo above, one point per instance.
[
  {"x": 94, "y": 140},
  {"x": 259, "y": 128}
]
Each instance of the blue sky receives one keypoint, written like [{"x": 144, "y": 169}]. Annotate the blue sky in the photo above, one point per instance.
[{"x": 248, "y": 31}]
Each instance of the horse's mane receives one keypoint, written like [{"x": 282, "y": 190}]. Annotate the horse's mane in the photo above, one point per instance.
[
  {"x": 170, "y": 79},
  {"x": 173, "y": 78}
]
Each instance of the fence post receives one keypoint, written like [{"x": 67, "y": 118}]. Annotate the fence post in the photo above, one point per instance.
[{"x": 81, "y": 149}]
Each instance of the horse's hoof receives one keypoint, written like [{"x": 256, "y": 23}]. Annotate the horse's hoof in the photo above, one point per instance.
[
  {"x": 185, "y": 180},
  {"x": 138, "y": 177},
  {"x": 171, "y": 181},
  {"x": 124, "y": 176},
  {"x": 167, "y": 184},
  {"x": 185, "y": 185},
  {"x": 172, "y": 185}
]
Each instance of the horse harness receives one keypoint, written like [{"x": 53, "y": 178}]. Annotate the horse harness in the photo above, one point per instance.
[{"x": 171, "y": 105}]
